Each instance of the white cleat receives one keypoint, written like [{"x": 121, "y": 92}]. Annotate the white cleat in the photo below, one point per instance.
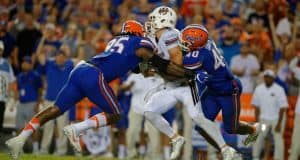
[
  {"x": 73, "y": 138},
  {"x": 15, "y": 146},
  {"x": 177, "y": 144},
  {"x": 251, "y": 138},
  {"x": 230, "y": 153}
]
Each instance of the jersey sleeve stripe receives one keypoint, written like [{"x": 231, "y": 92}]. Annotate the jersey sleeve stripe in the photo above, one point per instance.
[
  {"x": 171, "y": 41},
  {"x": 146, "y": 45},
  {"x": 193, "y": 66}
]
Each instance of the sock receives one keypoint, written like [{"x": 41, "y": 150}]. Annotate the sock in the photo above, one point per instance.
[
  {"x": 35, "y": 146},
  {"x": 142, "y": 150},
  {"x": 167, "y": 152},
  {"x": 30, "y": 127},
  {"x": 121, "y": 151},
  {"x": 98, "y": 120},
  {"x": 160, "y": 123},
  {"x": 210, "y": 128}
]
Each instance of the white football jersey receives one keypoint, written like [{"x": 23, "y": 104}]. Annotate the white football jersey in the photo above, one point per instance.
[{"x": 168, "y": 40}]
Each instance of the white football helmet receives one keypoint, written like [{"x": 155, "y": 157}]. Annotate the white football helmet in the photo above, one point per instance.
[{"x": 160, "y": 17}]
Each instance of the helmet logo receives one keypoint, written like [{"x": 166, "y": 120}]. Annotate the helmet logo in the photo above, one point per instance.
[
  {"x": 192, "y": 38},
  {"x": 163, "y": 11}
]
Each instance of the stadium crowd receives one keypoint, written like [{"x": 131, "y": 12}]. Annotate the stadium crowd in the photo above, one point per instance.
[{"x": 42, "y": 40}]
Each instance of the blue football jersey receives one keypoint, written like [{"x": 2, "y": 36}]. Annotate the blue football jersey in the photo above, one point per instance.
[
  {"x": 211, "y": 60},
  {"x": 120, "y": 56}
]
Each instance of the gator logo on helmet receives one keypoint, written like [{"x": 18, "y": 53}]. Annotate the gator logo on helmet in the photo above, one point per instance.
[{"x": 192, "y": 38}]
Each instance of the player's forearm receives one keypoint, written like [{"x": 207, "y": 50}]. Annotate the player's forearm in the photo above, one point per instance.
[{"x": 178, "y": 71}]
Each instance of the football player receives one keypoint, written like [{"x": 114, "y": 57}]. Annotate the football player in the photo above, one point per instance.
[
  {"x": 90, "y": 78},
  {"x": 161, "y": 27},
  {"x": 218, "y": 87}
]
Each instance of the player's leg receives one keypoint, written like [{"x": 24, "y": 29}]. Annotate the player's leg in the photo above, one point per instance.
[
  {"x": 159, "y": 103},
  {"x": 67, "y": 97},
  {"x": 207, "y": 128},
  {"x": 98, "y": 91},
  {"x": 49, "y": 127},
  {"x": 259, "y": 143},
  {"x": 231, "y": 113}
]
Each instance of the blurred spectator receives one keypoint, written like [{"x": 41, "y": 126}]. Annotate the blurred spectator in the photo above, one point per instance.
[
  {"x": 8, "y": 40},
  {"x": 295, "y": 146},
  {"x": 231, "y": 8},
  {"x": 71, "y": 38},
  {"x": 259, "y": 15},
  {"x": 7, "y": 80},
  {"x": 56, "y": 72},
  {"x": 239, "y": 28},
  {"x": 189, "y": 7},
  {"x": 25, "y": 46},
  {"x": 229, "y": 44},
  {"x": 86, "y": 46},
  {"x": 270, "y": 103},
  {"x": 142, "y": 10},
  {"x": 48, "y": 44},
  {"x": 29, "y": 85},
  {"x": 260, "y": 43},
  {"x": 246, "y": 67}
]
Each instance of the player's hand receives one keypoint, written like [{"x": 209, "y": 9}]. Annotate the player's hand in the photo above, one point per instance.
[
  {"x": 202, "y": 77},
  {"x": 278, "y": 128}
]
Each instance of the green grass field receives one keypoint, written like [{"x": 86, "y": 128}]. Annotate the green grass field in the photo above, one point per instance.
[{"x": 4, "y": 156}]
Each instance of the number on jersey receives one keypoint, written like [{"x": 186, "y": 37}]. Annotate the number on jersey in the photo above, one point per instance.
[
  {"x": 194, "y": 54},
  {"x": 219, "y": 59},
  {"x": 116, "y": 45}
]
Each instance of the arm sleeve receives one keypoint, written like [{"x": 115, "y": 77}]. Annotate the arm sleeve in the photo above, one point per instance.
[
  {"x": 146, "y": 43},
  {"x": 171, "y": 38}
]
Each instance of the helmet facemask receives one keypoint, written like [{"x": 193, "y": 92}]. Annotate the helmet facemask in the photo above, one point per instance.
[{"x": 184, "y": 45}]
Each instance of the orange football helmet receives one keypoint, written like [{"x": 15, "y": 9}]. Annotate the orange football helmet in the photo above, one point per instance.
[
  {"x": 192, "y": 37},
  {"x": 133, "y": 27}
]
